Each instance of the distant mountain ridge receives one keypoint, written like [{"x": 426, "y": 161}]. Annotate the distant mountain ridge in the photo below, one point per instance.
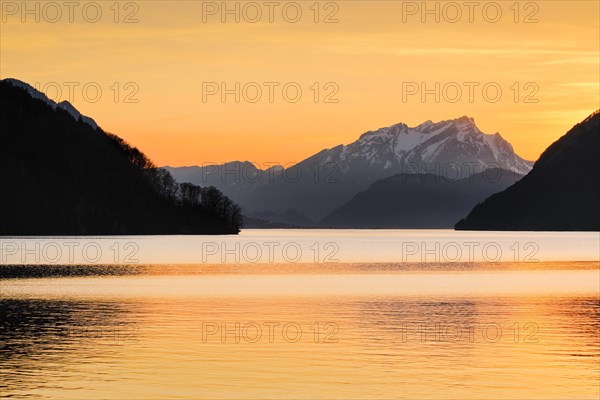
[
  {"x": 561, "y": 193},
  {"x": 235, "y": 179},
  {"x": 319, "y": 184},
  {"x": 423, "y": 201}
]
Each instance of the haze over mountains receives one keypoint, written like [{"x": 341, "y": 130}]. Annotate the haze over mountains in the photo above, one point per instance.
[
  {"x": 561, "y": 193},
  {"x": 60, "y": 174},
  {"x": 418, "y": 201},
  {"x": 323, "y": 182}
]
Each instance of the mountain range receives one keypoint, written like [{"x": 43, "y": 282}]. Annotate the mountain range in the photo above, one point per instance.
[
  {"x": 318, "y": 185},
  {"x": 60, "y": 173}
]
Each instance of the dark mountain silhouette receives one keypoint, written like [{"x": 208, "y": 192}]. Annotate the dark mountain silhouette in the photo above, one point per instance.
[
  {"x": 561, "y": 193},
  {"x": 60, "y": 174},
  {"x": 418, "y": 200}
]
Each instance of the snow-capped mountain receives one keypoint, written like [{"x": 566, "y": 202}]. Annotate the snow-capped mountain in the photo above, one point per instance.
[
  {"x": 454, "y": 149},
  {"x": 64, "y": 105},
  {"x": 442, "y": 148}
]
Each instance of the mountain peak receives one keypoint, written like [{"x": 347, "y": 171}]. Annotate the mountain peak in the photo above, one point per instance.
[
  {"x": 425, "y": 125},
  {"x": 429, "y": 125},
  {"x": 33, "y": 92},
  {"x": 64, "y": 105},
  {"x": 463, "y": 122},
  {"x": 432, "y": 144},
  {"x": 466, "y": 119}
]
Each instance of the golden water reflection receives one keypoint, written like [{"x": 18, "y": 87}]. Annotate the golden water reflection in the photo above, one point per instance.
[{"x": 85, "y": 344}]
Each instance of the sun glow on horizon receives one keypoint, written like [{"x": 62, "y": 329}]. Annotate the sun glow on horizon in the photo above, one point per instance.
[{"x": 354, "y": 74}]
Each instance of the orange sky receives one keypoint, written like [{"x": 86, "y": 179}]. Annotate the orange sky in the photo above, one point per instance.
[{"x": 371, "y": 55}]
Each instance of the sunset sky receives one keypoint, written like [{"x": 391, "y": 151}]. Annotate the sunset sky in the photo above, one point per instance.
[{"x": 371, "y": 54}]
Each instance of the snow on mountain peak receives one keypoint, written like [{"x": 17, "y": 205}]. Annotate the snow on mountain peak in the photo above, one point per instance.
[
  {"x": 68, "y": 107},
  {"x": 466, "y": 119},
  {"x": 36, "y": 94},
  {"x": 425, "y": 126},
  {"x": 431, "y": 143},
  {"x": 64, "y": 105}
]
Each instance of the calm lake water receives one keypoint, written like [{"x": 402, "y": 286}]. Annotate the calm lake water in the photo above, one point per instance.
[{"x": 433, "y": 329}]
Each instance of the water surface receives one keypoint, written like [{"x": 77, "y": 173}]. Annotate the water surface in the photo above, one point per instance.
[{"x": 357, "y": 330}]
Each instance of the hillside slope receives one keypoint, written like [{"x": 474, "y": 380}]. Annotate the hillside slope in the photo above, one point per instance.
[
  {"x": 561, "y": 193},
  {"x": 418, "y": 201},
  {"x": 60, "y": 174}
]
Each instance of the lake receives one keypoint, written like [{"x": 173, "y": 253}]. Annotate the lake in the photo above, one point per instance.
[{"x": 336, "y": 315}]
